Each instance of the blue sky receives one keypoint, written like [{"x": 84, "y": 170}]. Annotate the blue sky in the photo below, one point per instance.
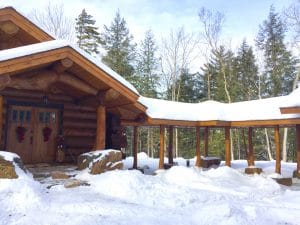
[{"x": 242, "y": 16}]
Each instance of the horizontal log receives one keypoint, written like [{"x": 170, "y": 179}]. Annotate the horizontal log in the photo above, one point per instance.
[
  {"x": 77, "y": 151},
  {"x": 80, "y": 125},
  {"x": 79, "y": 115},
  {"x": 79, "y": 108},
  {"x": 76, "y": 83},
  {"x": 79, "y": 133}
]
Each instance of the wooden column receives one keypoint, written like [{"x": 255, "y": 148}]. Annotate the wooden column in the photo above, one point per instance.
[
  {"x": 278, "y": 151},
  {"x": 135, "y": 146},
  {"x": 1, "y": 118},
  {"x": 250, "y": 144},
  {"x": 227, "y": 147},
  {"x": 170, "y": 146},
  {"x": 161, "y": 147},
  {"x": 298, "y": 147},
  {"x": 198, "y": 152},
  {"x": 206, "y": 134},
  {"x": 101, "y": 128}
]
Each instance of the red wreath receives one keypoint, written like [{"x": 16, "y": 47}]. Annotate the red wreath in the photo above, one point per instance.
[
  {"x": 20, "y": 133},
  {"x": 46, "y": 133}
]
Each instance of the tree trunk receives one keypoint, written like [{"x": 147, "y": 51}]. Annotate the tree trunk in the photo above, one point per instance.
[
  {"x": 268, "y": 145},
  {"x": 284, "y": 144}
]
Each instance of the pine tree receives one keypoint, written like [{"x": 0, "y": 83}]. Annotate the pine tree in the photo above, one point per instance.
[
  {"x": 279, "y": 68},
  {"x": 246, "y": 72},
  {"x": 219, "y": 73},
  {"x": 88, "y": 37},
  {"x": 120, "y": 51},
  {"x": 147, "y": 66}
]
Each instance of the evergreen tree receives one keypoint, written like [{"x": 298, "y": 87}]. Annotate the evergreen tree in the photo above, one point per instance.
[
  {"x": 120, "y": 51},
  {"x": 147, "y": 65},
  {"x": 246, "y": 72},
  {"x": 88, "y": 37},
  {"x": 219, "y": 72},
  {"x": 279, "y": 68}
]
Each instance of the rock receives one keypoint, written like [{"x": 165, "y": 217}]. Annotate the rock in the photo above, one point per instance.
[
  {"x": 284, "y": 181},
  {"x": 207, "y": 162},
  {"x": 59, "y": 175},
  {"x": 75, "y": 183},
  {"x": 253, "y": 170},
  {"x": 7, "y": 166},
  {"x": 101, "y": 161},
  {"x": 296, "y": 174}
]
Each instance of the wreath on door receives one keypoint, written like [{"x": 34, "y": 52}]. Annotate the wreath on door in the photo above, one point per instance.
[
  {"x": 21, "y": 133},
  {"x": 47, "y": 133}
]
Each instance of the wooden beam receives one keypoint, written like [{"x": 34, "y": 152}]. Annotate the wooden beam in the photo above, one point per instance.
[
  {"x": 278, "y": 150},
  {"x": 206, "y": 136},
  {"x": 101, "y": 128},
  {"x": 290, "y": 110},
  {"x": 5, "y": 80},
  {"x": 1, "y": 118},
  {"x": 62, "y": 65},
  {"x": 170, "y": 146},
  {"x": 135, "y": 146},
  {"x": 9, "y": 28},
  {"x": 76, "y": 83},
  {"x": 198, "y": 152},
  {"x": 251, "y": 150},
  {"x": 227, "y": 147},
  {"x": 161, "y": 146},
  {"x": 298, "y": 147}
]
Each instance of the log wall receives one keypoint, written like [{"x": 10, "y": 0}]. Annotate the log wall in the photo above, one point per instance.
[{"x": 79, "y": 122}]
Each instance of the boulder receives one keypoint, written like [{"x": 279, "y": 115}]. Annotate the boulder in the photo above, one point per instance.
[
  {"x": 72, "y": 183},
  {"x": 8, "y": 161},
  {"x": 253, "y": 170},
  {"x": 100, "y": 161},
  {"x": 284, "y": 181}
]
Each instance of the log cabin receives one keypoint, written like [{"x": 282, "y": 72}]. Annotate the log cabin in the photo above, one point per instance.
[{"x": 54, "y": 95}]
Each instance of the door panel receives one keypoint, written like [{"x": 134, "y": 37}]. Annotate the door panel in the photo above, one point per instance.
[
  {"x": 20, "y": 118},
  {"x": 40, "y": 129}
]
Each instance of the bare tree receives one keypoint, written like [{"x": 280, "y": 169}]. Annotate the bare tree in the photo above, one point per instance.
[
  {"x": 178, "y": 52},
  {"x": 54, "y": 21},
  {"x": 211, "y": 24}
]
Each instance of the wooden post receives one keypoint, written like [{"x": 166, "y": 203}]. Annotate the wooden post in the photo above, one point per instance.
[
  {"x": 198, "y": 152},
  {"x": 250, "y": 144},
  {"x": 161, "y": 147},
  {"x": 1, "y": 118},
  {"x": 135, "y": 146},
  {"x": 101, "y": 128},
  {"x": 227, "y": 147},
  {"x": 206, "y": 134},
  {"x": 170, "y": 147},
  {"x": 278, "y": 151},
  {"x": 298, "y": 147}
]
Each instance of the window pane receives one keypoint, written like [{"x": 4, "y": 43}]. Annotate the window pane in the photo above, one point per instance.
[
  {"x": 53, "y": 117},
  {"x": 22, "y": 116},
  {"x": 47, "y": 119},
  {"x": 41, "y": 117},
  {"x": 14, "y": 115},
  {"x": 28, "y": 116}
]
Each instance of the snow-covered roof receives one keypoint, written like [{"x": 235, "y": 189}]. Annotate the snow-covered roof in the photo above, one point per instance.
[
  {"x": 263, "y": 109},
  {"x": 56, "y": 44}
]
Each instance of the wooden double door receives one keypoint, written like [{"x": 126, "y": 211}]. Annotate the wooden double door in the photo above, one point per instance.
[{"x": 32, "y": 133}]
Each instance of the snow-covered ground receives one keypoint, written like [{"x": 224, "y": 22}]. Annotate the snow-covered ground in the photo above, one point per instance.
[{"x": 180, "y": 195}]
